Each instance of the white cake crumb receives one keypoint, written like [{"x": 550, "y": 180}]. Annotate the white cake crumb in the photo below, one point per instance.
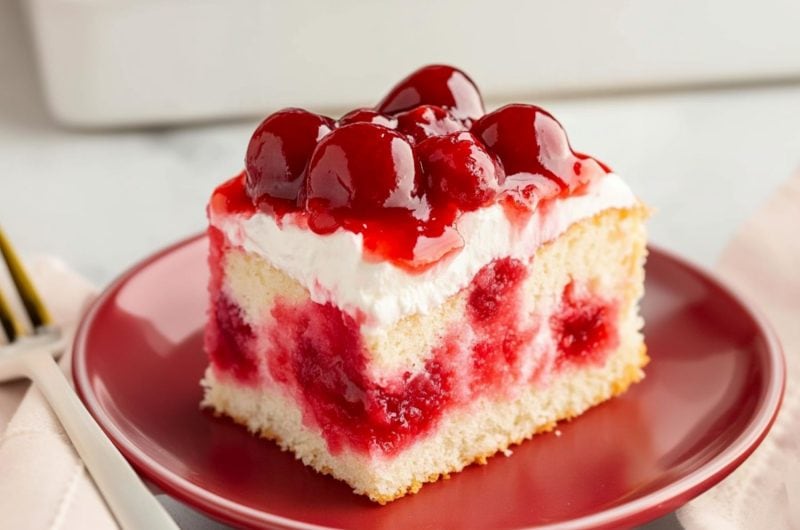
[{"x": 605, "y": 253}]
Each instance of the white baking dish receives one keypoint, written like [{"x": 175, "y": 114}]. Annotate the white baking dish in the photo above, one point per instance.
[{"x": 110, "y": 63}]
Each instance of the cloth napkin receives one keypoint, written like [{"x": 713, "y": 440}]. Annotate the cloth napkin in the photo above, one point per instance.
[
  {"x": 763, "y": 263},
  {"x": 43, "y": 484}
]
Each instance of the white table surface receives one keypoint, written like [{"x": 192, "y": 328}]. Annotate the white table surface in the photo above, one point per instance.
[{"x": 704, "y": 160}]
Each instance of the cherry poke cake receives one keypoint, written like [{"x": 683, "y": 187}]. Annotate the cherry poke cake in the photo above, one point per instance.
[{"x": 417, "y": 286}]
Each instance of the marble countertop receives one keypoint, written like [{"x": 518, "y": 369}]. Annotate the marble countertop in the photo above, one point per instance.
[{"x": 703, "y": 160}]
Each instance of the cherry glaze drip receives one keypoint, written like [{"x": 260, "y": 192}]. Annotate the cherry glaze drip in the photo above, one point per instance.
[
  {"x": 231, "y": 197},
  {"x": 402, "y": 173}
]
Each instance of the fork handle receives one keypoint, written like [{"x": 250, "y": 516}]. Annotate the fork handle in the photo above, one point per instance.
[{"x": 132, "y": 504}]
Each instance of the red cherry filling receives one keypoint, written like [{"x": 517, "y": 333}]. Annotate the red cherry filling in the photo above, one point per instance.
[
  {"x": 427, "y": 120},
  {"x": 440, "y": 85},
  {"x": 459, "y": 170},
  {"x": 317, "y": 349},
  {"x": 492, "y": 287},
  {"x": 494, "y": 310},
  {"x": 585, "y": 328},
  {"x": 279, "y": 151},
  {"x": 364, "y": 168},
  {"x": 228, "y": 340}
]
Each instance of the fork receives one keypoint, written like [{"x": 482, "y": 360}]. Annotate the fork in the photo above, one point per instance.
[{"x": 33, "y": 356}]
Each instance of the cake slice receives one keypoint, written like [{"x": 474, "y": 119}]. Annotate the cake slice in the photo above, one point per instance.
[{"x": 413, "y": 288}]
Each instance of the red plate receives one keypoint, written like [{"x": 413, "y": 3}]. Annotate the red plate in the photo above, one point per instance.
[{"x": 711, "y": 393}]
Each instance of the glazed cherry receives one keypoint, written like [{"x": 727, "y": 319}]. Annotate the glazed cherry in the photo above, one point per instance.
[
  {"x": 279, "y": 151},
  {"x": 516, "y": 134},
  {"x": 368, "y": 116},
  {"x": 459, "y": 170},
  {"x": 401, "y": 173},
  {"x": 439, "y": 85},
  {"x": 362, "y": 167},
  {"x": 427, "y": 120}
]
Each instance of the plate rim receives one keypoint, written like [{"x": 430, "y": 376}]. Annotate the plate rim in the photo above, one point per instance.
[{"x": 659, "y": 502}]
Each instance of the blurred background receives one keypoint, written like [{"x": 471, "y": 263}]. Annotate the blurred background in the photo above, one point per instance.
[{"x": 118, "y": 117}]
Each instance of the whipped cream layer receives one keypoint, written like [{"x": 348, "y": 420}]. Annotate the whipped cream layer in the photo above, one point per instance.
[{"x": 333, "y": 267}]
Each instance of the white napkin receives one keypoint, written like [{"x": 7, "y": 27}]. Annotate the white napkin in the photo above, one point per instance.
[
  {"x": 763, "y": 263},
  {"x": 43, "y": 484}
]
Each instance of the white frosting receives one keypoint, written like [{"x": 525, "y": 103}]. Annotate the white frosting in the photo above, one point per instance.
[{"x": 332, "y": 267}]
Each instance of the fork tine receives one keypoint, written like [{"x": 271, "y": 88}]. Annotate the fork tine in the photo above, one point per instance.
[
  {"x": 34, "y": 307},
  {"x": 10, "y": 326}
]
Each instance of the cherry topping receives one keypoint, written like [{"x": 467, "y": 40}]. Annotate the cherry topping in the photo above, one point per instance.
[
  {"x": 368, "y": 116},
  {"x": 513, "y": 134},
  {"x": 427, "y": 120},
  {"x": 400, "y": 174},
  {"x": 362, "y": 167},
  {"x": 279, "y": 151},
  {"x": 459, "y": 170},
  {"x": 439, "y": 85}
]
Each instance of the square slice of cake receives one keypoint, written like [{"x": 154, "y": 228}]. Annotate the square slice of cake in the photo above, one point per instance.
[{"x": 413, "y": 288}]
